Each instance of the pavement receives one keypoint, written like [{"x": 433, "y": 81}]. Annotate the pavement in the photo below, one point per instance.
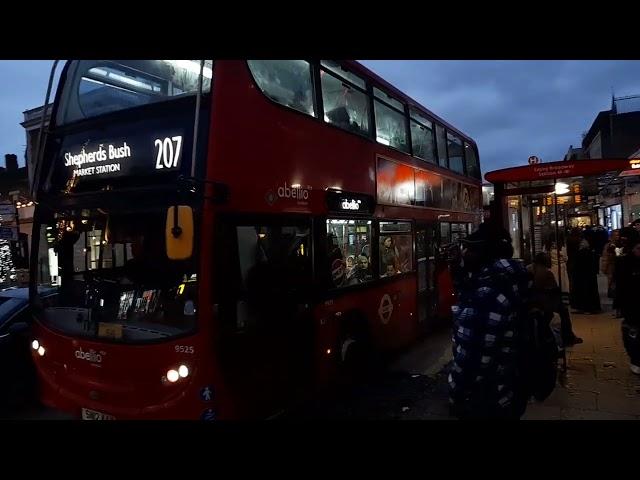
[{"x": 598, "y": 384}]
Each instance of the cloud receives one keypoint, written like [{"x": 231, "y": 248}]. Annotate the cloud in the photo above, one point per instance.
[
  {"x": 514, "y": 109},
  {"x": 23, "y": 85}
]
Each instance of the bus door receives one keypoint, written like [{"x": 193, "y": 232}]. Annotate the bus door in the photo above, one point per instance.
[
  {"x": 426, "y": 251},
  {"x": 266, "y": 346}
]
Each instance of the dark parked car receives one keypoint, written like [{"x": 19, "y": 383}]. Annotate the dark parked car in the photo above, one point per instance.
[{"x": 16, "y": 365}]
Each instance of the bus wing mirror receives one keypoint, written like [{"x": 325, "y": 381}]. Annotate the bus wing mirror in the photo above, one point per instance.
[{"x": 179, "y": 232}]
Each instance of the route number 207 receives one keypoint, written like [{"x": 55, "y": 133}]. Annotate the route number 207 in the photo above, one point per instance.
[
  {"x": 184, "y": 349},
  {"x": 168, "y": 152}
]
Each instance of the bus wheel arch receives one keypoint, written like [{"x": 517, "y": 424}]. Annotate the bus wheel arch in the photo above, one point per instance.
[{"x": 355, "y": 348}]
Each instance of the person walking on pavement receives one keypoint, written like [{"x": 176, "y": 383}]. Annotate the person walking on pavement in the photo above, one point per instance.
[
  {"x": 585, "y": 280},
  {"x": 609, "y": 260},
  {"x": 627, "y": 238},
  {"x": 628, "y": 286},
  {"x": 485, "y": 379},
  {"x": 546, "y": 294}
]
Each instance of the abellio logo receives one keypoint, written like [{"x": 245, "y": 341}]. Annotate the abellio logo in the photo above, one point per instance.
[
  {"x": 90, "y": 356},
  {"x": 295, "y": 191}
]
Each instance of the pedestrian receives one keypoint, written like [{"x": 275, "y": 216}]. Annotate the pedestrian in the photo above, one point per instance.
[
  {"x": 609, "y": 260},
  {"x": 584, "y": 283},
  {"x": 627, "y": 238},
  {"x": 628, "y": 281},
  {"x": 485, "y": 379},
  {"x": 559, "y": 265},
  {"x": 547, "y": 297}
]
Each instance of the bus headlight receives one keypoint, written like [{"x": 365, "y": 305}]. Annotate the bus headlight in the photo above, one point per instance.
[
  {"x": 173, "y": 375},
  {"x": 38, "y": 348}
]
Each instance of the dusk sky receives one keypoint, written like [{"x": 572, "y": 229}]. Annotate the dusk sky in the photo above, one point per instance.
[{"x": 512, "y": 109}]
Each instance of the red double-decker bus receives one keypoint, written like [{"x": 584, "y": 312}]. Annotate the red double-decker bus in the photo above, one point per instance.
[{"x": 227, "y": 235}]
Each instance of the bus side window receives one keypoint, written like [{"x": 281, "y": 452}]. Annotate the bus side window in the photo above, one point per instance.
[
  {"x": 396, "y": 248},
  {"x": 348, "y": 251}
]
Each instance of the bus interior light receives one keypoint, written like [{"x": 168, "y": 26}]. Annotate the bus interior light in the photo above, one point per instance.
[{"x": 193, "y": 67}]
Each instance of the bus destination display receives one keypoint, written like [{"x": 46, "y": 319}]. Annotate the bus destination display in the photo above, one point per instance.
[{"x": 129, "y": 156}]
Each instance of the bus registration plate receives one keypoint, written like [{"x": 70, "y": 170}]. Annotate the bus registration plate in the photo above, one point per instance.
[{"x": 93, "y": 415}]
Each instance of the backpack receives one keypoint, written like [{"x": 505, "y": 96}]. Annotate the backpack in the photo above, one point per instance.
[{"x": 539, "y": 354}]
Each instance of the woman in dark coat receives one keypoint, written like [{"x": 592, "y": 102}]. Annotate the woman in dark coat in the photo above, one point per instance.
[
  {"x": 584, "y": 282},
  {"x": 628, "y": 279}
]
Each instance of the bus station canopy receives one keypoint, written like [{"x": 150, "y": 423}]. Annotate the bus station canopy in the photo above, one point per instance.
[
  {"x": 564, "y": 169},
  {"x": 594, "y": 176}
]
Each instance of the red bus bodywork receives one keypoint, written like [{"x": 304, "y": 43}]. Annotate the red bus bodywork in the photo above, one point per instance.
[{"x": 255, "y": 147}]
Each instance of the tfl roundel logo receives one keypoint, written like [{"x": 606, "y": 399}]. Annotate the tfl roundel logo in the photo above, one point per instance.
[{"x": 385, "y": 310}]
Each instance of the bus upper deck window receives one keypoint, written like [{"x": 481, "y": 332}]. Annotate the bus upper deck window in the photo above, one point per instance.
[
  {"x": 97, "y": 87},
  {"x": 287, "y": 82}
]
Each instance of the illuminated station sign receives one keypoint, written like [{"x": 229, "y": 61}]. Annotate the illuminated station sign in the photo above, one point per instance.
[{"x": 125, "y": 149}]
